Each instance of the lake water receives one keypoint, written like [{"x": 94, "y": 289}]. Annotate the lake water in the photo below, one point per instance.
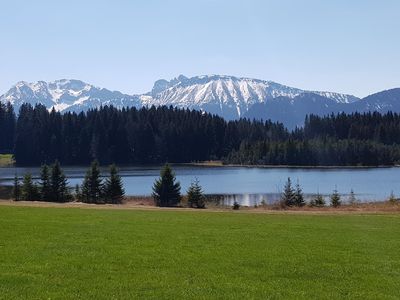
[{"x": 250, "y": 186}]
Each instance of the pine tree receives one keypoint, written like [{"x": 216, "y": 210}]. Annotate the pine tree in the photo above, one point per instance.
[
  {"x": 92, "y": 185},
  {"x": 195, "y": 195},
  {"x": 352, "y": 198},
  {"x": 335, "y": 198},
  {"x": 16, "y": 188},
  {"x": 45, "y": 184},
  {"x": 288, "y": 196},
  {"x": 29, "y": 191},
  {"x": 317, "y": 201},
  {"x": 298, "y": 196},
  {"x": 59, "y": 184},
  {"x": 236, "y": 205},
  {"x": 392, "y": 198},
  {"x": 78, "y": 195},
  {"x": 114, "y": 191},
  {"x": 166, "y": 191}
]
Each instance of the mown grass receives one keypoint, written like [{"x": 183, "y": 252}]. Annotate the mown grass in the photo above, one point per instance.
[{"x": 57, "y": 253}]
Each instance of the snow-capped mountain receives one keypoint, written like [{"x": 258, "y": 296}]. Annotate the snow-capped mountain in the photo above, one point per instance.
[
  {"x": 66, "y": 95},
  {"x": 228, "y": 96}
]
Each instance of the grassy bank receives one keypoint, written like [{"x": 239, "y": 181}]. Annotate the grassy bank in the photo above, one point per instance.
[
  {"x": 101, "y": 254},
  {"x": 6, "y": 160}
]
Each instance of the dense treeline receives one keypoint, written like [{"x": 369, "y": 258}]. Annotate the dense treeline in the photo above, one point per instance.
[
  {"x": 355, "y": 139},
  {"x": 152, "y": 135},
  {"x": 158, "y": 135},
  {"x": 316, "y": 152},
  {"x": 7, "y": 127}
]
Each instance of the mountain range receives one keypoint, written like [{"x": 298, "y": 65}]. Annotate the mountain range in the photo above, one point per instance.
[{"x": 228, "y": 96}]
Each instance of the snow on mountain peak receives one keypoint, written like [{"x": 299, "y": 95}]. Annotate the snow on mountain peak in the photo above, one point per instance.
[
  {"x": 228, "y": 96},
  {"x": 66, "y": 95},
  {"x": 225, "y": 95}
]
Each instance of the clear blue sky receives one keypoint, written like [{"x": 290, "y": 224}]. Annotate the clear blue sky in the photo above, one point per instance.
[{"x": 350, "y": 46}]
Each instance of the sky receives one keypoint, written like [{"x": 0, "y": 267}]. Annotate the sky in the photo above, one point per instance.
[{"x": 347, "y": 46}]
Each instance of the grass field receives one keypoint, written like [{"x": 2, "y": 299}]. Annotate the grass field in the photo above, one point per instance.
[
  {"x": 56, "y": 253},
  {"x": 6, "y": 160}
]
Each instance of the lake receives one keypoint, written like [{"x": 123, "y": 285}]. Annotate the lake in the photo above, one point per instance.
[{"x": 248, "y": 185}]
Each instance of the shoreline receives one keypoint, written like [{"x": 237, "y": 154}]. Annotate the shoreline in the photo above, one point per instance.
[
  {"x": 357, "y": 209},
  {"x": 220, "y": 164}
]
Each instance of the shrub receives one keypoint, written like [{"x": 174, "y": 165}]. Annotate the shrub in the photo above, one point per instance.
[{"x": 236, "y": 205}]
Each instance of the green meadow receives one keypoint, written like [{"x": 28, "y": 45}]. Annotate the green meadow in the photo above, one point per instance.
[
  {"x": 75, "y": 253},
  {"x": 6, "y": 160}
]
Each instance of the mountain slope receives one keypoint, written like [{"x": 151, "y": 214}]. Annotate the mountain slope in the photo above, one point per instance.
[
  {"x": 66, "y": 95},
  {"x": 292, "y": 112},
  {"x": 384, "y": 101},
  {"x": 228, "y": 96}
]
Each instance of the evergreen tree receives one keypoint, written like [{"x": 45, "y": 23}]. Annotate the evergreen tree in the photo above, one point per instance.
[
  {"x": 236, "y": 205},
  {"x": 288, "y": 196},
  {"x": 59, "y": 184},
  {"x": 298, "y": 196},
  {"x": 16, "y": 188},
  {"x": 92, "y": 185},
  {"x": 317, "y": 201},
  {"x": 155, "y": 134},
  {"x": 335, "y": 199},
  {"x": 195, "y": 195},
  {"x": 114, "y": 191},
  {"x": 45, "y": 184},
  {"x": 352, "y": 198},
  {"x": 392, "y": 198},
  {"x": 29, "y": 190},
  {"x": 166, "y": 191},
  {"x": 78, "y": 195}
]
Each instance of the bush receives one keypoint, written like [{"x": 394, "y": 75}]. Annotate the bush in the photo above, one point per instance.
[{"x": 236, "y": 205}]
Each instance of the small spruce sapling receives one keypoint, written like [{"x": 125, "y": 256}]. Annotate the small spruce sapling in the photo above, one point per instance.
[{"x": 335, "y": 199}]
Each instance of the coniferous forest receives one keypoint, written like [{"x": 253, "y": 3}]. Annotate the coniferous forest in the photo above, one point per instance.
[{"x": 164, "y": 134}]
